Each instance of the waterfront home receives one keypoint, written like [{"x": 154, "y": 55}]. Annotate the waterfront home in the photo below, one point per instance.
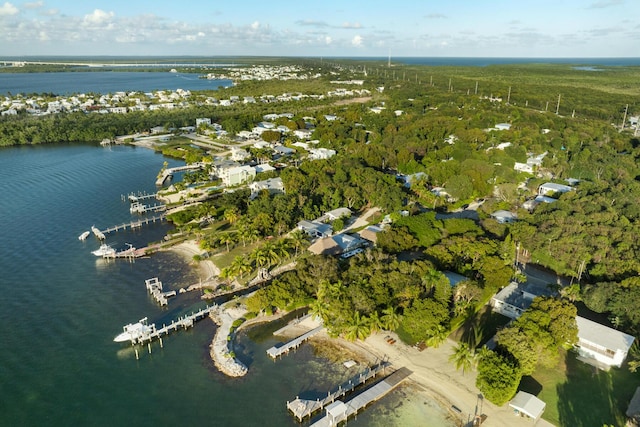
[
  {"x": 236, "y": 175},
  {"x": 600, "y": 345}
]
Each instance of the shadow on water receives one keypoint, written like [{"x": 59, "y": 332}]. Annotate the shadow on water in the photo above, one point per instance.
[{"x": 591, "y": 397}]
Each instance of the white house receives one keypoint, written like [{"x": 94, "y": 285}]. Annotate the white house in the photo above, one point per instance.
[
  {"x": 600, "y": 345},
  {"x": 321, "y": 153},
  {"x": 239, "y": 154},
  {"x": 523, "y": 167},
  {"x": 315, "y": 229},
  {"x": 502, "y": 126},
  {"x": 237, "y": 175},
  {"x": 203, "y": 121},
  {"x": 552, "y": 188},
  {"x": 272, "y": 185}
]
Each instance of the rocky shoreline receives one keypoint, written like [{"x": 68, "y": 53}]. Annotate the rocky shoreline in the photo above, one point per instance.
[{"x": 221, "y": 348}]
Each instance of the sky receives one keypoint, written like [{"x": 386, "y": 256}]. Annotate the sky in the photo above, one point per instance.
[{"x": 351, "y": 28}]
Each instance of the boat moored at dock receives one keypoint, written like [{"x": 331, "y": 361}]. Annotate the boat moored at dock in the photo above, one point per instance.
[
  {"x": 135, "y": 331},
  {"x": 104, "y": 251},
  {"x": 84, "y": 235}
]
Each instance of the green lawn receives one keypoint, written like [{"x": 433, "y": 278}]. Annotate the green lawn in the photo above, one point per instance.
[{"x": 578, "y": 395}]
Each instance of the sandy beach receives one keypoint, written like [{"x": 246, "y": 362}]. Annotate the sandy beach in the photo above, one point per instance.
[{"x": 207, "y": 270}]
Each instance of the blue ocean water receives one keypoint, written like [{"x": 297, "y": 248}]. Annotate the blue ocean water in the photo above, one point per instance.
[
  {"x": 103, "y": 82},
  {"x": 61, "y": 307}
]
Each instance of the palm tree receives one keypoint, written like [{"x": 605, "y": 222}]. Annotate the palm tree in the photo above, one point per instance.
[
  {"x": 319, "y": 307},
  {"x": 463, "y": 356},
  {"x": 390, "y": 319},
  {"x": 232, "y": 215},
  {"x": 375, "y": 323},
  {"x": 281, "y": 247},
  {"x": 298, "y": 238},
  {"x": 438, "y": 334},
  {"x": 357, "y": 327},
  {"x": 239, "y": 266},
  {"x": 227, "y": 238}
]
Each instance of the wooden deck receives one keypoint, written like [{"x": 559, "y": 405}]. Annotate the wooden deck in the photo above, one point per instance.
[
  {"x": 340, "y": 411},
  {"x": 274, "y": 351},
  {"x": 135, "y": 224}
]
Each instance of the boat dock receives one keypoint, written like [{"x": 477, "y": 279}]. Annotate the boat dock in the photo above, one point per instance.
[
  {"x": 134, "y": 224},
  {"x": 133, "y": 198},
  {"x": 301, "y": 408},
  {"x": 162, "y": 177},
  {"x": 339, "y": 411},
  {"x": 99, "y": 234},
  {"x": 275, "y": 351},
  {"x": 130, "y": 253},
  {"x": 183, "y": 322},
  {"x": 139, "y": 208},
  {"x": 154, "y": 286}
]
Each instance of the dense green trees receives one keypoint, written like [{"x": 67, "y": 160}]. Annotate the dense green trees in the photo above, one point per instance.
[{"x": 498, "y": 377}]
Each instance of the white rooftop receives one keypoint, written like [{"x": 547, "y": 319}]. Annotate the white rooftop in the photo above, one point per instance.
[
  {"x": 604, "y": 336},
  {"x": 528, "y": 404}
]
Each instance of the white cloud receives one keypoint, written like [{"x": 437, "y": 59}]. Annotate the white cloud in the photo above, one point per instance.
[
  {"x": 327, "y": 40},
  {"x": 98, "y": 17},
  {"x": 33, "y": 5},
  {"x": 357, "y": 41},
  {"x": 8, "y": 9},
  {"x": 255, "y": 25},
  {"x": 310, "y": 23},
  {"x": 349, "y": 25},
  {"x": 436, "y": 16}
]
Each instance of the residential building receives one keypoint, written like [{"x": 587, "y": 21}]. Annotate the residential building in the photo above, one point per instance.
[
  {"x": 514, "y": 299},
  {"x": 272, "y": 185},
  {"x": 600, "y": 345},
  {"x": 237, "y": 175},
  {"x": 315, "y": 228},
  {"x": 550, "y": 188}
]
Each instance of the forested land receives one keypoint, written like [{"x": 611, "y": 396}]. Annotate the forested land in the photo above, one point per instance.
[{"x": 435, "y": 121}]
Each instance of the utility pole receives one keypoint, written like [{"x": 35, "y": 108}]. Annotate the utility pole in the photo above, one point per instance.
[
  {"x": 476, "y": 92},
  {"x": 558, "y": 106},
  {"x": 637, "y": 126},
  {"x": 509, "y": 96}
]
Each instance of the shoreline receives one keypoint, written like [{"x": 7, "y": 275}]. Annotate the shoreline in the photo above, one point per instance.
[{"x": 433, "y": 374}]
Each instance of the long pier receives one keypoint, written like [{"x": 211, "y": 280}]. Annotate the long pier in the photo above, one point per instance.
[
  {"x": 135, "y": 224},
  {"x": 301, "y": 408},
  {"x": 340, "y": 411},
  {"x": 274, "y": 351},
  {"x": 152, "y": 333}
]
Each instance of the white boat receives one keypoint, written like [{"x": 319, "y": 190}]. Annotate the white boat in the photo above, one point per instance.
[
  {"x": 133, "y": 331},
  {"x": 104, "y": 250},
  {"x": 84, "y": 235}
]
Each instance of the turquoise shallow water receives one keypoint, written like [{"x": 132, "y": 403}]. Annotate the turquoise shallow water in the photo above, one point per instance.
[{"x": 60, "y": 308}]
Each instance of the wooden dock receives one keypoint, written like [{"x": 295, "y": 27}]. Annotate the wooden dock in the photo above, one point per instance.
[
  {"x": 183, "y": 322},
  {"x": 154, "y": 286},
  {"x": 135, "y": 224},
  {"x": 139, "y": 208},
  {"x": 302, "y": 408},
  {"x": 275, "y": 351},
  {"x": 133, "y": 198},
  {"x": 339, "y": 411}
]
